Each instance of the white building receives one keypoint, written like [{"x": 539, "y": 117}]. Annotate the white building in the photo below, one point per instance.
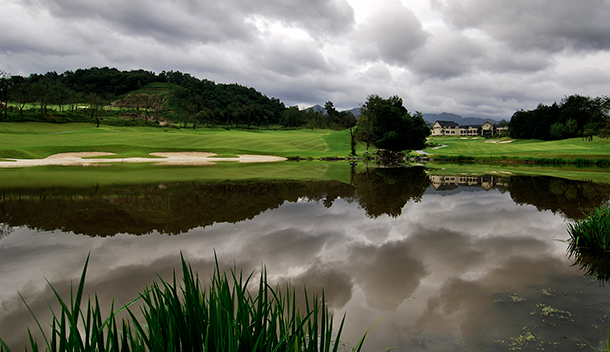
[{"x": 451, "y": 128}]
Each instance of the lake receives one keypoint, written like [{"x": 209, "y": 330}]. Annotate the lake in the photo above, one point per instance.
[{"x": 446, "y": 263}]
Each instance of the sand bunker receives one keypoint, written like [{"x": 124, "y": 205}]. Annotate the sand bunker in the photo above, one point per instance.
[
  {"x": 180, "y": 158},
  {"x": 184, "y": 155},
  {"x": 78, "y": 155}
]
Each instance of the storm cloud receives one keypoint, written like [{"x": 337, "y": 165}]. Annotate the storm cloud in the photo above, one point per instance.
[{"x": 473, "y": 57}]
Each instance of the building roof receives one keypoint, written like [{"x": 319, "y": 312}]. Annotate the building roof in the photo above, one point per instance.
[
  {"x": 473, "y": 126},
  {"x": 447, "y": 123}
]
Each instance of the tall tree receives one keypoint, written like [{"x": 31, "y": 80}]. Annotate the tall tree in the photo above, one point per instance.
[
  {"x": 353, "y": 140},
  {"x": 42, "y": 89},
  {"x": 364, "y": 129},
  {"x": 574, "y": 116},
  {"x": 95, "y": 105},
  {"x": 393, "y": 128},
  {"x": 330, "y": 109},
  {"x": 21, "y": 93},
  {"x": 5, "y": 85}
]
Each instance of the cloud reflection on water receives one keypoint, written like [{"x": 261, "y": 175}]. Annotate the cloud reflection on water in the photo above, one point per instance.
[{"x": 434, "y": 273}]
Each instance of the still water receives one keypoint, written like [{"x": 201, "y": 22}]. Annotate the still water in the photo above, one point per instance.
[{"x": 447, "y": 263}]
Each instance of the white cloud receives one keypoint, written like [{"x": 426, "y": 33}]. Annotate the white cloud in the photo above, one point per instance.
[
  {"x": 391, "y": 33},
  {"x": 525, "y": 24},
  {"x": 473, "y": 57}
]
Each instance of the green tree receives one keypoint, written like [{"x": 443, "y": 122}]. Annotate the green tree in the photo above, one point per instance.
[
  {"x": 575, "y": 116},
  {"x": 353, "y": 140},
  {"x": 21, "y": 93},
  {"x": 5, "y": 86},
  {"x": 42, "y": 89},
  {"x": 95, "y": 107},
  {"x": 292, "y": 117},
  {"x": 558, "y": 130},
  {"x": 392, "y": 126},
  {"x": 364, "y": 129},
  {"x": 330, "y": 109}
]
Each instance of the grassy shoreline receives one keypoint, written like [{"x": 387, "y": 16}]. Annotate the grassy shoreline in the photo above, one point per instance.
[
  {"x": 522, "y": 151},
  {"x": 30, "y": 140},
  {"x": 39, "y": 140}
]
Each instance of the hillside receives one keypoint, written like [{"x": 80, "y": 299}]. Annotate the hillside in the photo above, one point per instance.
[{"x": 137, "y": 98}]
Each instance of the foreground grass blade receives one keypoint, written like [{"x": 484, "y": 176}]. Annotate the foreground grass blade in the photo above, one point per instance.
[{"x": 182, "y": 315}]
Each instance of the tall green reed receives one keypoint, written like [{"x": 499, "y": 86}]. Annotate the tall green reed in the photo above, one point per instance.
[
  {"x": 591, "y": 233},
  {"x": 186, "y": 316}
]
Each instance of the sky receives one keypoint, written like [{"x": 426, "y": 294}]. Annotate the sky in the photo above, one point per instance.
[{"x": 478, "y": 58}]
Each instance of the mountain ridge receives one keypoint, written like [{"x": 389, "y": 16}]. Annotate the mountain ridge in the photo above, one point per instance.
[{"x": 430, "y": 118}]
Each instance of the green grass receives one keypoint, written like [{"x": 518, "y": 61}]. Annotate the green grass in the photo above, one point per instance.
[
  {"x": 592, "y": 173},
  {"x": 128, "y": 173},
  {"x": 187, "y": 316},
  {"x": 589, "y": 245},
  {"x": 567, "y": 149},
  {"x": 39, "y": 140}
]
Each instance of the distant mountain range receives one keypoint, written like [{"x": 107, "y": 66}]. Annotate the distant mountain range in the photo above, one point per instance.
[
  {"x": 431, "y": 118},
  {"x": 445, "y": 116}
]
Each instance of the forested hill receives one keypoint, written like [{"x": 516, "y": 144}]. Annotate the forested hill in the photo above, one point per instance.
[
  {"x": 111, "y": 83},
  {"x": 141, "y": 97}
]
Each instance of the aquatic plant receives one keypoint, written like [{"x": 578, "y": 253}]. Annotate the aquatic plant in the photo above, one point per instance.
[
  {"x": 589, "y": 243},
  {"x": 591, "y": 234},
  {"x": 186, "y": 316}
]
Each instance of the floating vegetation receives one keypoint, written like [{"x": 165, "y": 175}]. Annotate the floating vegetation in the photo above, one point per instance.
[
  {"x": 525, "y": 337},
  {"x": 517, "y": 343},
  {"x": 185, "y": 316},
  {"x": 548, "y": 292},
  {"x": 548, "y": 311},
  {"x": 516, "y": 298}
]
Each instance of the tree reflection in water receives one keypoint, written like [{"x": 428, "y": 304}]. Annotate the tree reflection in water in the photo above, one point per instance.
[
  {"x": 178, "y": 207},
  {"x": 445, "y": 266}
]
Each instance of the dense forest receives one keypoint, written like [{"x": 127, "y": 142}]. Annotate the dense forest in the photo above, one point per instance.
[
  {"x": 574, "y": 116},
  {"x": 171, "y": 98},
  {"x": 139, "y": 97}
]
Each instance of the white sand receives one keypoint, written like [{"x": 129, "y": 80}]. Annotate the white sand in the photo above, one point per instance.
[{"x": 183, "y": 158}]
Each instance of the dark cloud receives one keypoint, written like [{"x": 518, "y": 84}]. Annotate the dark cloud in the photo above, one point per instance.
[
  {"x": 318, "y": 16},
  {"x": 473, "y": 57},
  {"x": 289, "y": 57},
  {"x": 506, "y": 61},
  {"x": 285, "y": 247},
  {"x": 388, "y": 274},
  {"x": 478, "y": 301},
  {"x": 541, "y": 24},
  {"x": 321, "y": 278},
  {"x": 447, "y": 250},
  {"x": 203, "y": 21},
  {"x": 448, "y": 54},
  {"x": 171, "y": 22},
  {"x": 391, "y": 34}
]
